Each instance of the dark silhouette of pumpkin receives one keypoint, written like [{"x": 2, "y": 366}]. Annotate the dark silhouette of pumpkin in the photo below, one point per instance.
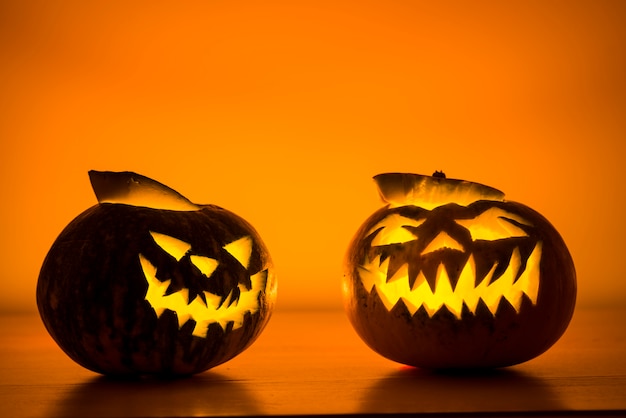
[
  {"x": 451, "y": 275},
  {"x": 146, "y": 282}
]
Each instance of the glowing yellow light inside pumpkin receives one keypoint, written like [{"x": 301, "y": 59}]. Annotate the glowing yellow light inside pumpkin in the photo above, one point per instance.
[
  {"x": 173, "y": 246},
  {"x": 393, "y": 231},
  {"x": 206, "y": 265},
  {"x": 373, "y": 273},
  {"x": 442, "y": 240},
  {"x": 241, "y": 249},
  {"x": 215, "y": 310},
  {"x": 493, "y": 224}
]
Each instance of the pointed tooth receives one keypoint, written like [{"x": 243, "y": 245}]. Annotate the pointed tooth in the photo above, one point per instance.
[
  {"x": 508, "y": 262},
  {"x": 432, "y": 300},
  {"x": 420, "y": 293},
  {"x": 387, "y": 300},
  {"x": 497, "y": 273},
  {"x": 492, "y": 294},
  {"x": 528, "y": 280},
  {"x": 510, "y": 292},
  {"x": 212, "y": 300},
  {"x": 394, "y": 265},
  {"x": 201, "y": 329},
  {"x": 418, "y": 282},
  {"x": 432, "y": 309},
  {"x": 483, "y": 289},
  {"x": 483, "y": 268},
  {"x": 393, "y": 290},
  {"x": 373, "y": 272},
  {"x": 431, "y": 277},
  {"x": 170, "y": 289},
  {"x": 414, "y": 273},
  {"x": 182, "y": 319},
  {"x": 466, "y": 311},
  {"x": 159, "y": 311},
  {"x": 382, "y": 258},
  {"x": 234, "y": 300},
  {"x": 444, "y": 295},
  {"x": 506, "y": 308},
  {"x": 482, "y": 309},
  {"x": 526, "y": 249},
  {"x": 226, "y": 301},
  {"x": 223, "y": 323},
  {"x": 202, "y": 297},
  {"x": 400, "y": 272},
  {"x": 453, "y": 272},
  {"x": 465, "y": 285},
  {"x": 410, "y": 306}
]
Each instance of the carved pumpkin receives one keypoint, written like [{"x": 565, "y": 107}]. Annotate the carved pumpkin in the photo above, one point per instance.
[
  {"x": 146, "y": 282},
  {"x": 450, "y": 275}
]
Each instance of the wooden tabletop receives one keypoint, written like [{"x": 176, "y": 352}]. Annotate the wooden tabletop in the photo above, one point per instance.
[{"x": 313, "y": 363}]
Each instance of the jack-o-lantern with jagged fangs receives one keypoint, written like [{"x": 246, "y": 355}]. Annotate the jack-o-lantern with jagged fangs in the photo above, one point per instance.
[
  {"x": 450, "y": 275},
  {"x": 146, "y": 282}
]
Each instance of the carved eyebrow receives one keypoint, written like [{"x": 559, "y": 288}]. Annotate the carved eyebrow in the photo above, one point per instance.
[
  {"x": 493, "y": 224},
  {"x": 391, "y": 230},
  {"x": 521, "y": 223}
]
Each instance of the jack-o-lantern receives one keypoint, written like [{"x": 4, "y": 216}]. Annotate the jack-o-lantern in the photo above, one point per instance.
[
  {"x": 146, "y": 282},
  {"x": 450, "y": 275}
]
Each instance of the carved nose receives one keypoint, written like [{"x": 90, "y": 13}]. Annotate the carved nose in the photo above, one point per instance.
[{"x": 441, "y": 241}]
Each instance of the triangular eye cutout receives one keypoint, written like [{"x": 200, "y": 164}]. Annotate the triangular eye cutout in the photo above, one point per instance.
[
  {"x": 391, "y": 230},
  {"x": 494, "y": 224},
  {"x": 442, "y": 240},
  {"x": 241, "y": 249},
  {"x": 173, "y": 246},
  {"x": 206, "y": 265}
]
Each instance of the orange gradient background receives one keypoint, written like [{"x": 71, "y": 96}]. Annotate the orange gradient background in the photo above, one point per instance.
[{"x": 282, "y": 111}]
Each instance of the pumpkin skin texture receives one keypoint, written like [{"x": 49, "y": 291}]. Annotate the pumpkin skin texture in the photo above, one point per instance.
[
  {"x": 483, "y": 284},
  {"x": 109, "y": 286}
]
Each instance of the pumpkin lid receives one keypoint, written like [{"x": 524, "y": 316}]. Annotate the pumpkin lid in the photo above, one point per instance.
[
  {"x": 134, "y": 189},
  {"x": 428, "y": 192}
]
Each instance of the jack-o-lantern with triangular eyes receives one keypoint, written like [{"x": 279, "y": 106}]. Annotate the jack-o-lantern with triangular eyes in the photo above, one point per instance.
[
  {"x": 146, "y": 282},
  {"x": 450, "y": 275}
]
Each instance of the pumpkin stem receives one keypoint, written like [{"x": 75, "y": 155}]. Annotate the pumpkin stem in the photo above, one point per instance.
[{"x": 134, "y": 189}]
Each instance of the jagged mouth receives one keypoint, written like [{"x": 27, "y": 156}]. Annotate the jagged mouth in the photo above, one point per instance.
[
  {"x": 204, "y": 310},
  {"x": 205, "y": 307},
  {"x": 508, "y": 278}
]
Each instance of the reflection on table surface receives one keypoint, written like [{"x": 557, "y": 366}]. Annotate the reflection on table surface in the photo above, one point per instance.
[{"x": 313, "y": 363}]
